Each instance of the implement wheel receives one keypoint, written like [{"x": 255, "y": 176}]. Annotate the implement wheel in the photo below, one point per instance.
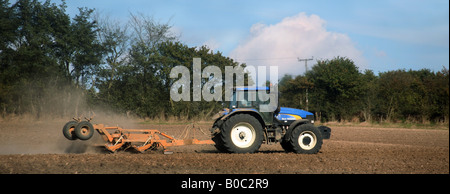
[
  {"x": 84, "y": 130},
  {"x": 68, "y": 130}
]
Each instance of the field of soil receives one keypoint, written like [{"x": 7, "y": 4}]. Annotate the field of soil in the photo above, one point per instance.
[{"x": 39, "y": 147}]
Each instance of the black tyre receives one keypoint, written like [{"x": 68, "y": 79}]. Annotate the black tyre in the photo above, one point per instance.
[
  {"x": 286, "y": 145},
  {"x": 242, "y": 133},
  {"x": 219, "y": 144},
  {"x": 68, "y": 130},
  {"x": 84, "y": 130},
  {"x": 306, "y": 139}
]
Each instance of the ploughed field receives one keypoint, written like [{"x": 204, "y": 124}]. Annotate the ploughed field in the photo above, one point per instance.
[{"x": 40, "y": 147}]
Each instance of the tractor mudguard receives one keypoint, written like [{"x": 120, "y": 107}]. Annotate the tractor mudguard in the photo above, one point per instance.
[
  {"x": 294, "y": 124},
  {"x": 297, "y": 122},
  {"x": 248, "y": 111},
  {"x": 220, "y": 120},
  {"x": 238, "y": 110}
]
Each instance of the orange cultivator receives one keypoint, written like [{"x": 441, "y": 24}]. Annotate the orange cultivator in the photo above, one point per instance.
[{"x": 116, "y": 137}]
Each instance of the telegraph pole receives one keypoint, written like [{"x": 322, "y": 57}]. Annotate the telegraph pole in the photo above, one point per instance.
[{"x": 306, "y": 70}]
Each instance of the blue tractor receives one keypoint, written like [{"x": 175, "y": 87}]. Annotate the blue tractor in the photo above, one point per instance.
[{"x": 242, "y": 127}]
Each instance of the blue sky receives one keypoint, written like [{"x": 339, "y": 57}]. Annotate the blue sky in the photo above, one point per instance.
[{"x": 380, "y": 35}]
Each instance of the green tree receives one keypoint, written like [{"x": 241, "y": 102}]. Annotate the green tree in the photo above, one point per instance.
[
  {"x": 87, "y": 51},
  {"x": 40, "y": 47},
  {"x": 369, "y": 98},
  {"x": 439, "y": 92},
  {"x": 337, "y": 88},
  {"x": 138, "y": 60},
  {"x": 293, "y": 91}
]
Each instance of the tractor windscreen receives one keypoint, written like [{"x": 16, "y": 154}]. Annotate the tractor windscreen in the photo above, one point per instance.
[{"x": 246, "y": 99}]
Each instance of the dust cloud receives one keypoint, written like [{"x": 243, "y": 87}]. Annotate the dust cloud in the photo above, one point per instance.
[{"x": 28, "y": 135}]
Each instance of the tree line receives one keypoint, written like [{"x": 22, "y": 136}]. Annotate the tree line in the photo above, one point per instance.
[
  {"x": 52, "y": 64},
  {"x": 338, "y": 91}
]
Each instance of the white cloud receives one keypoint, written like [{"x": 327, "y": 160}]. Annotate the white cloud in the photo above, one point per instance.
[{"x": 300, "y": 36}]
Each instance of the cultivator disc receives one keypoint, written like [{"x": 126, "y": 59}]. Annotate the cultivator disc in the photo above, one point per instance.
[{"x": 119, "y": 138}]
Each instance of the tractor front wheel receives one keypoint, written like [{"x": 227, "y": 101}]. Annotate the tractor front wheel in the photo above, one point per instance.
[{"x": 305, "y": 139}]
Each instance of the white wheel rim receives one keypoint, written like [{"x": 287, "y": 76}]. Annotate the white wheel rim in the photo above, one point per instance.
[
  {"x": 307, "y": 140},
  {"x": 243, "y": 135}
]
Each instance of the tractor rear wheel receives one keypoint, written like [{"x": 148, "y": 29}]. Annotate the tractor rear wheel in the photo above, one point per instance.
[
  {"x": 306, "y": 139},
  {"x": 242, "y": 133},
  {"x": 84, "y": 130}
]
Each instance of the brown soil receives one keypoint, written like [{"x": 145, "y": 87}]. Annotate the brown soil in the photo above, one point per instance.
[{"x": 39, "y": 147}]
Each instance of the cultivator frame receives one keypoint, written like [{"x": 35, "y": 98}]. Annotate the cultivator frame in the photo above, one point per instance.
[
  {"x": 145, "y": 138},
  {"x": 138, "y": 139}
]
